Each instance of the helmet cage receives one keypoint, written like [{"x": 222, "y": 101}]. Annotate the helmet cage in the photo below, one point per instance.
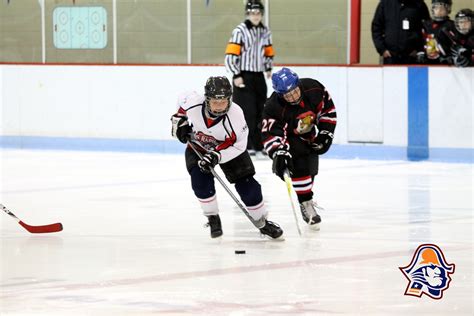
[
  {"x": 213, "y": 113},
  {"x": 294, "y": 96},
  {"x": 464, "y": 15}
]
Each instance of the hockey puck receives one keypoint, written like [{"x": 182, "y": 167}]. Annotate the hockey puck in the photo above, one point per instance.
[{"x": 240, "y": 252}]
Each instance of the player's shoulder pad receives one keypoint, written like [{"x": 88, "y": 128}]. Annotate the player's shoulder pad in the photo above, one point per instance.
[
  {"x": 309, "y": 83},
  {"x": 188, "y": 99},
  {"x": 241, "y": 27},
  {"x": 235, "y": 109},
  {"x": 273, "y": 106},
  {"x": 272, "y": 100},
  {"x": 448, "y": 25}
]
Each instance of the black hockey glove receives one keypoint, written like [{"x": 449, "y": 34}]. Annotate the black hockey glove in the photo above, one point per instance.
[
  {"x": 208, "y": 161},
  {"x": 180, "y": 128},
  {"x": 322, "y": 142},
  {"x": 282, "y": 161},
  {"x": 421, "y": 57},
  {"x": 459, "y": 58}
]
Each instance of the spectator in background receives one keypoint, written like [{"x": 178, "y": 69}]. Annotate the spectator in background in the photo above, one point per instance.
[
  {"x": 396, "y": 30},
  {"x": 436, "y": 49},
  {"x": 249, "y": 54},
  {"x": 460, "y": 39}
]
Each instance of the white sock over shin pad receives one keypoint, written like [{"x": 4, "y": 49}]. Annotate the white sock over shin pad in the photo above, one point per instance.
[
  {"x": 258, "y": 211},
  {"x": 209, "y": 205}
]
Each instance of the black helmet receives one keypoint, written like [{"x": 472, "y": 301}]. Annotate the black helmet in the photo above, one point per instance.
[
  {"x": 217, "y": 88},
  {"x": 254, "y": 5},
  {"x": 463, "y": 15},
  {"x": 446, "y": 3}
]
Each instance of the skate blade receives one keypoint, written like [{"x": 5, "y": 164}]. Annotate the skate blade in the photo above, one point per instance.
[
  {"x": 281, "y": 238},
  {"x": 314, "y": 227},
  {"x": 217, "y": 239}
]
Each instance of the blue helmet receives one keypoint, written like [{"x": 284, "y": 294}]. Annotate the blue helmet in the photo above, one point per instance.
[{"x": 284, "y": 81}]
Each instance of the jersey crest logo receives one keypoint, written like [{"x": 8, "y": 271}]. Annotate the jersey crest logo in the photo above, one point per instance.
[
  {"x": 207, "y": 141},
  {"x": 428, "y": 272},
  {"x": 305, "y": 122}
]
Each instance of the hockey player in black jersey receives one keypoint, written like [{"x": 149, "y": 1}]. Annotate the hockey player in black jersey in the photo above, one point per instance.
[
  {"x": 298, "y": 125},
  {"x": 436, "y": 50},
  {"x": 461, "y": 39},
  {"x": 218, "y": 127}
]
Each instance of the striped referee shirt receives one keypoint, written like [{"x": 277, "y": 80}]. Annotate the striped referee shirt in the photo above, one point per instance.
[{"x": 249, "y": 49}]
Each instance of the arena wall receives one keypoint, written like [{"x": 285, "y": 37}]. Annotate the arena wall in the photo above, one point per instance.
[{"x": 383, "y": 112}]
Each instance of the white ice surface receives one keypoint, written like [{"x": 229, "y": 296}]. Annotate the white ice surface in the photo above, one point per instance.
[{"x": 134, "y": 243}]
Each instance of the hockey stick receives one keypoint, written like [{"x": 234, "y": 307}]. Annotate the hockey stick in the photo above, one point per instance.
[
  {"x": 259, "y": 224},
  {"x": 289, "y": 187},
  {"x": 51, "y": 228}
]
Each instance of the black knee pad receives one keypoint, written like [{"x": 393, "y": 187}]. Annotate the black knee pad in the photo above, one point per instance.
[
  {"x": 249, "y": 190},
  {"x": 202, "y": 183},
  {"x": 240, "y": 167}
]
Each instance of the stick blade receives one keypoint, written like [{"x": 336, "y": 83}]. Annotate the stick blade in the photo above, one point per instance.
[{"x": 42, "y": 229}]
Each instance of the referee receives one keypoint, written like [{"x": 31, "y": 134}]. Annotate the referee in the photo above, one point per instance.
[{"x": 249, "y": 54}]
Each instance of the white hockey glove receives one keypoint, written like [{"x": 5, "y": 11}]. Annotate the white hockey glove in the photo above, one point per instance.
[{"x": 180, "y": 128}]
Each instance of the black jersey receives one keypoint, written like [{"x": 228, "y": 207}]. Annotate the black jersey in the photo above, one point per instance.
[
  {"x": 457, "y": 40},
  {"x": 436, "y": 46},
  {"x": 280, "y": 119}
]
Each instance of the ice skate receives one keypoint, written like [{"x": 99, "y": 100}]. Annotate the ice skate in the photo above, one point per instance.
[
  {"x": 272, "y": 230},
  {"x": 215, "y": 225},
  {"x": 310, "y": 215}
]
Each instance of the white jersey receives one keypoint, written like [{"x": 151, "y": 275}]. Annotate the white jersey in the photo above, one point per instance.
[{"x": 226, "y": 134}]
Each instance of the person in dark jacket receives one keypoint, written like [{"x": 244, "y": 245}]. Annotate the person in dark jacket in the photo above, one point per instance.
[
  {"x": 460, "y": 39},
  {"x": 396, "y": 30},
  {"x": 436, "y": 49}
]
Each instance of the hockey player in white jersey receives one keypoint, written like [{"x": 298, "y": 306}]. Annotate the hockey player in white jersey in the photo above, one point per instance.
[{"x": 218, "y": 126}]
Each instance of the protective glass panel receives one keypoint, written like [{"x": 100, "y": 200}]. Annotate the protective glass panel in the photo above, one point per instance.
[
  {"x": 212, "y": 23},
  {"x": 151, "y": 32},
  {"x": 308, "y": 31},
  {"x": 20, "y": 31}
]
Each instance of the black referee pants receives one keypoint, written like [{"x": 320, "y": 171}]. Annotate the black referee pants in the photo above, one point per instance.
[{"x": 251, "y": 99}]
